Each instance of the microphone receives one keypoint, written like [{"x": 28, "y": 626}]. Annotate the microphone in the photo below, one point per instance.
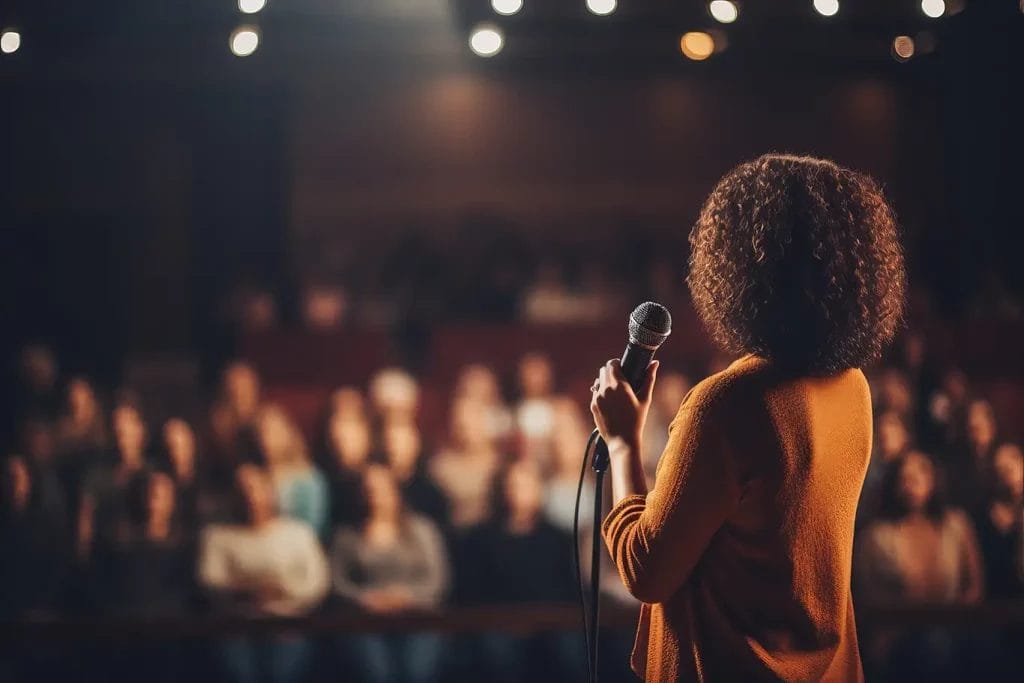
[{"x": 650, "y": 324}]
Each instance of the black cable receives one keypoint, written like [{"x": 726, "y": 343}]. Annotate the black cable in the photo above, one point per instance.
[{"x": 576, "y": 552}]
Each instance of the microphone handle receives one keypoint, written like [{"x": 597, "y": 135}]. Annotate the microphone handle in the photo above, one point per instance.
[{"x": 635, "y": 360}]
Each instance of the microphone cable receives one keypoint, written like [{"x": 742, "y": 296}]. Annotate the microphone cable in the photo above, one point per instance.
[{"x": 591, "y": 655}]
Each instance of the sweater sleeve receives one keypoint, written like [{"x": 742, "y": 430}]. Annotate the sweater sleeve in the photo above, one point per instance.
[
  {"x": 214, "y": 567},
  {"x": 656, "y": 540},
  {"x": 342, "y": 551},
  {"x": 432, "y": 584}
]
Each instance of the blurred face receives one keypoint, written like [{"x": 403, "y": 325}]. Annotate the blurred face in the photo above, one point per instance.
[
  {"x": 130, "y": 433},
  {"x": 20, "y": 482},
  {"x": 954, "y": 384},
  {"x": 981, "y": 423},
  {"x": 381, "y": 492},
  {"x": 913, "y": 350},
  {"x": 567, "y": 436},
  {"x": 535, "y": 376},
  {"x": 469, "y": 425},
  {"x": 477, "y": 382},
  {"x": 348, "y": 403},
  {"x": 242, "y": 389},
  {"x": 916, "y": 481},
  {"x": 254, "y": 485},
  {"x": 39, "y": 368},
  {"x": 81, "y": 401},
  {"x": 274, "y": 436},
  {"x": 893, "y": 438},
  {"x": 402, "y": 445},
  {"x": 1008, "y": 468},
  {"x": 39, "y": 443},
  {"x": 160, "y": 497},
  {"x": 350, "y": 441},
  {"x": 896, "y": 392},
  {"x": 181, "y": 445},
  {"x": 394, "y": 393},
  {"x": 524, "y": 491}
]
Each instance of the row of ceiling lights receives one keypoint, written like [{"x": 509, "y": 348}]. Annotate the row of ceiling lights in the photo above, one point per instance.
[{"x": 487, "y": 40}]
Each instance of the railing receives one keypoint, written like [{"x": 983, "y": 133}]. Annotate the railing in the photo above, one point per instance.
[{"x": 519, "y": 619}]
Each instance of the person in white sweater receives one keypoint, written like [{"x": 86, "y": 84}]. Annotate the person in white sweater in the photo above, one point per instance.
[{"x": 268, "y": 566}]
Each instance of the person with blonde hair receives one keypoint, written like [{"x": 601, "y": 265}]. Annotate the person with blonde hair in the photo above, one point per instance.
[{"x": 301, "y": 489}]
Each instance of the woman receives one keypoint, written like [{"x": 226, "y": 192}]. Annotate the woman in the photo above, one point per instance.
[
  {"x": 403, "y": 454},
  {"x": 972, "y": 461},
  {"x": 464, "y": 471},
  {"x": 521, "y": 558},
  {"x": 919, "y": 551},
  {"x": 179, "y": 460},
  {"x": 268, "y": 565},
  {"x": 892, "y": 441},
  {"x": 795, "y": 263},
  {"x": 1001, "y": 525},
  {"x": 344, "y": 454},
  {"x": 301, "y": 490},
  {"x": 394, "y": 560}
]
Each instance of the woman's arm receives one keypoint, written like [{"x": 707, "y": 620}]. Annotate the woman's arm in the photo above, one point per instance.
[
  {"x": 431, "y": 586},
  {"x": 657, "y": 539}
]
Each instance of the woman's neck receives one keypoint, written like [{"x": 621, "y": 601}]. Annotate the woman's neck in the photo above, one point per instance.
[{"x": 158, "y": 529}]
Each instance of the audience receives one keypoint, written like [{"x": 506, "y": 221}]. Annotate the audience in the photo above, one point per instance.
[
  {"x": 102, "y": 523},
  {"x": 394, "y": 560}
]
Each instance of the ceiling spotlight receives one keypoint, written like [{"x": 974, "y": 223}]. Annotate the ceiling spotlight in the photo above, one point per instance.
[
  {"x": 697, "y": 45},
  {"x": 902, "y": 48},
  {"x": 10, "y": 41},
  {"x": 251, "y": 6},
  {"x": 245, "y": 40},
  {"x": 602, "y": 7},
  {"x": 507, "y": 7},
  {"x": 827, "y": 8},
  {"x": 933, "y": 8},
  {"x": 486, "y": 40},
  {"x": 724, "y": 11}
]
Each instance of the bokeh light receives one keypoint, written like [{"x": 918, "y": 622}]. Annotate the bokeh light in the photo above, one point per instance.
[
  {"x": 602, "y": 7},
  {"x": 251, "y": 6},
  {"x": 724, "y": 11},
  {"x": 903, "y": 48},
  {"x": 10, "y": 41},
  {"x": 827, "y": 8},
  {"x": 697, "y": 45},
  {"x": 486, "y": 40},
  {"x": 245, "y": 40},
  {"x": 507, "y": 7},
  {"x": 933, "y": 8}
]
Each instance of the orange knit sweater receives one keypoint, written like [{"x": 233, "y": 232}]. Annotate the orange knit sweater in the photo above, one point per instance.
[{"x": 741, "y": 552}]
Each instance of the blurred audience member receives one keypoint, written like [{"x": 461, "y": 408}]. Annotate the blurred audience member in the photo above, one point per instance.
[
  {"x": 1000, "y": 525},
  {"x": 520, "y": 558},
  {"x": 894, "y": 394},
  {"x": 81, "y": 429},
  {"x": 180, "y": 461},
  {"x": 465, "y": 469},
  {"x": 919, "y": 551},
  {"x": 971, "y": 462},
  {"x": 103, "y": 503},
  {"x": 394, "y": 560},
  {"x": 301, "y": 489},
  {"x": 267, "y": 566},
  {"x": 477, "y": 382},
  {"x": 403, "y": 454},
  {"x": 947, "y": 408},
  {"x": 344, "y": 454},
  {"x": 535, "y": 411},
  {"x": 347, "y": 403},
  {"x": 669, "y": 392},
  {"x": 394, "y": 395},
  {"x": 146, "y": 569},
  {"x": 568, "y": 441},
  {"x": 33, "y": 535},
  {"x": 892, "y": 441},
  {"x": 36, "y": 394},
  {"x": 232, "y": 441}
]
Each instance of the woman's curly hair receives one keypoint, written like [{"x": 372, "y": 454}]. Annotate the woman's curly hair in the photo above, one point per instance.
[{"x": 798, "y": 260}]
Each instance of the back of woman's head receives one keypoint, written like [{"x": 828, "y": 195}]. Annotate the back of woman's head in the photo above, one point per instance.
[{"x": 798, "y": 260}]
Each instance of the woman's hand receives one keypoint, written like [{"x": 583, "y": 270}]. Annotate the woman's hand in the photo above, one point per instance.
[{"x": 618, "y": 412}]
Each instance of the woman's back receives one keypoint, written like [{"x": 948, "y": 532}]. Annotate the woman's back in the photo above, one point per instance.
[{"x": 758, "y": 584}]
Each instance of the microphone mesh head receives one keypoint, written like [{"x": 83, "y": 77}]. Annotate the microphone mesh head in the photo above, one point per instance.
[{"x": 649, "y": 325}]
